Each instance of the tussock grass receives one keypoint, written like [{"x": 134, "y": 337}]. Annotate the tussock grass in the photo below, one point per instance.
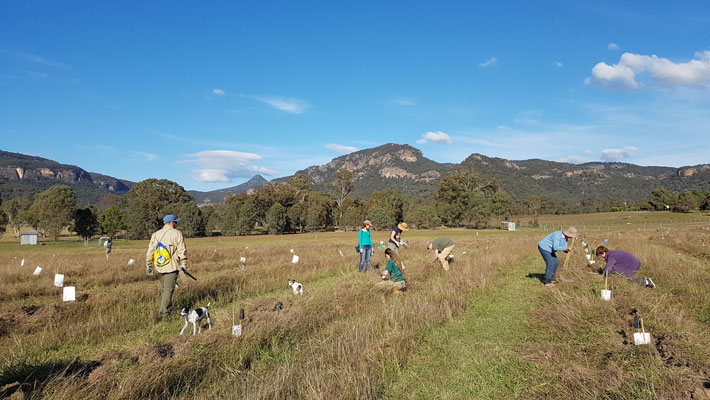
[{"x": 487, "y": 329}]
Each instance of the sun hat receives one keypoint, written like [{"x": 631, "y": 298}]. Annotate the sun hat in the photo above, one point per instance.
[
  {"x": 170, "y": 218},
  {"x": 367, "y": 222},
  {"x": 402, "y": 226},
  {"x": 570, "y": 232}
]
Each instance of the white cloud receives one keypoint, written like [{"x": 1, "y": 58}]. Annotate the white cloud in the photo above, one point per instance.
[
  {"x": 574, "y": 160},
  {"x": 503, "y": 128},
  {"x": 436, "y": 137},
  {"x": 340, "y": 148},
  {"x": 614, "y": 154},
  {"x": 219, "y": 92},
  {"x": 403, "y": 102},
  {"x": 225, "y": 165},
  {"x": 588, "y": 152},
  {"x": 211, "y": 175},
  {"x": 289, "y": 105},
  {"x": 37, "y": 75},
  {"x": 488, "y": 62},
  {"x": 662, "y": 72},
  {"x": 631, "y": 149},
  {"x": 557, "y": 64},
  {"x": 612, "y": 46},
  {"x": 145, "y": 156}
]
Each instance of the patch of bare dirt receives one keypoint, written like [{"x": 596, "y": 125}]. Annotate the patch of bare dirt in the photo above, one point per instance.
[{"x": 29, "y": 310}]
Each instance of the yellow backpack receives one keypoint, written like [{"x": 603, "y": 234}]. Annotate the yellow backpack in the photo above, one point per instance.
[{"x": 161, "y": 256}]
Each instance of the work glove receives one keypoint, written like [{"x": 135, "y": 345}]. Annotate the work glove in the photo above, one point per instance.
[{"x": 149, "y": 270}]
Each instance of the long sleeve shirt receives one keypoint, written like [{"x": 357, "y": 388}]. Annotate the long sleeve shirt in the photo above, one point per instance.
[
  {"x": 624, "y": 263},
  {"x": 175, "y": 243},
  {"x": 364, "y": 238},
  {"x": 553, "y": 242}
]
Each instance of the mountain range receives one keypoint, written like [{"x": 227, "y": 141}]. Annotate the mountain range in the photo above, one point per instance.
[{"x": 390, "y": 166}]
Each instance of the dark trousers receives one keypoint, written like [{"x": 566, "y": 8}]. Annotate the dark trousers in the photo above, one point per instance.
[
  {"x": 167, "y": 287},
  {"x": 551, "y": 264}
]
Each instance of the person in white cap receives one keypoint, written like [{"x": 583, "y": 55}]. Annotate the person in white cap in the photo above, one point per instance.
[
  {"x": 552, "y": 243},
  {"x": 167, "y": 254}
]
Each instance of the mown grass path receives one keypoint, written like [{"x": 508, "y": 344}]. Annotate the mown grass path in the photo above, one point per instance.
[{"x": 477, "y": 356}]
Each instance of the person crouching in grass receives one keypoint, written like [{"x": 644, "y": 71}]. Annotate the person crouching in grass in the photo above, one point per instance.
[
  {"x": 625, "y": 264},
  {"x": 392, "y": 274}
]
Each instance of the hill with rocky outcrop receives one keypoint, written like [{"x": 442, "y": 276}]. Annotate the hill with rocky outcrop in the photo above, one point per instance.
[
  {"x": 390, "y": 166},
  {"x": 24, "y": 175}
]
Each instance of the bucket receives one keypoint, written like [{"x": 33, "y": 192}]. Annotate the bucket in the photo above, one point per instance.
[
  {"x": 606, "y": 295},
  {"x": 642, "y": 338}
]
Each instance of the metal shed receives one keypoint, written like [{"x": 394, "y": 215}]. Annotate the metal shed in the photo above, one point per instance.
[
  {"x": 507, "y": 226},
  {"x": 29, "y": 238}
]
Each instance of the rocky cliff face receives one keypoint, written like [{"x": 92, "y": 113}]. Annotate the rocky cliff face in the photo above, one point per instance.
[
  {"x": 390, "y": 166},
  {"x": 24, "y": 175},
  {"x": 61, "y": 174}
]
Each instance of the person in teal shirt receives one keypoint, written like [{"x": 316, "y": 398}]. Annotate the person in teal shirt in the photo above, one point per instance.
[
  {"x": 392, "y": 275},
  {"x": 365, "y": 243}
]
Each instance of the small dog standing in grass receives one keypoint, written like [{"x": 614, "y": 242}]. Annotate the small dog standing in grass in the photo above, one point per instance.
[
  {"x": 297, "y": 287},
  {"x": 195, "y": 316}
]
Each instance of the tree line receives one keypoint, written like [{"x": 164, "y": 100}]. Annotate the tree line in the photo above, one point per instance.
[{"x": 462, "y": 199}]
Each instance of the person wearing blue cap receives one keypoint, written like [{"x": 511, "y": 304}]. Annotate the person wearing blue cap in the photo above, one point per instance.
[{"x": 166, "y": 254}]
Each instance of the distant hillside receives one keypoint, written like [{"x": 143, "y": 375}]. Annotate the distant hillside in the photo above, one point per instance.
[
  {"x": 390, "y": 166},
  {"x": 217, "y": 196},
  {"x": 23, "y": 175},
  {"x": 522, "y": 179}
]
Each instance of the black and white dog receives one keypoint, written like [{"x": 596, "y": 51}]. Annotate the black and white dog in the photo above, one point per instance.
[
  {"x": 297, "y": 287},
  {"x": 195, "y": 316}
]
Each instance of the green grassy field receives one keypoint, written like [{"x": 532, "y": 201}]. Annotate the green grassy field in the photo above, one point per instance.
[{"x": 486, "y": 329}]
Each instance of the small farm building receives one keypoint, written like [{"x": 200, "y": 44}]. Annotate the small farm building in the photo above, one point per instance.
[
  {"x": 507, "y": 226},
  {"x": 29, "y": 238}
]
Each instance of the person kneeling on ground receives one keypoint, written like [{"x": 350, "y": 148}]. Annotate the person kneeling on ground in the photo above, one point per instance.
[
  {"x": 442, "y": 248},
  {"x": 549, "y": 245},
  {"x": 392, "y": 275},
  {"x": 624, "y": 263}
]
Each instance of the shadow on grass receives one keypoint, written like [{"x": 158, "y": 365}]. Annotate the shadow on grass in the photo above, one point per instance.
[
  {"x": 29, "y": 378},
  {"x": 538, "y": 276}
]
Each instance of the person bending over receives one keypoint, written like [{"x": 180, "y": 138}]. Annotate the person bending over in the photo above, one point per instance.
[{"x": 549, "y": 245}]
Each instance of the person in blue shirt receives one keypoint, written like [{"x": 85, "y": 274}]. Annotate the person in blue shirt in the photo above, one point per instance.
[
  {"x": 552, "y": 243},
  {"x": 365, "y": 243}
]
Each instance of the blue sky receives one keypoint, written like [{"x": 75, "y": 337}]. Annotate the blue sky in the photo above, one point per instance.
[{"x": 209, "y": 95}]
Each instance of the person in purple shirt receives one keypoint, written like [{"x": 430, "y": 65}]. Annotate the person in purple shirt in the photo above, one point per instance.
[
  {"x": 554, "y": 242},
  {"x": 624, "y": 263}
]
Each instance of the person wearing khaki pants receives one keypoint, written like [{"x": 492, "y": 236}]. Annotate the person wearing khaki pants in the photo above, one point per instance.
[
  {"x": 166, "y": 262},
  {"x": 442, "y": 248}
]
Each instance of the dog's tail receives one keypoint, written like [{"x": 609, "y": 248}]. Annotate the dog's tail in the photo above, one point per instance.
[{"x": 208, "y": 305}]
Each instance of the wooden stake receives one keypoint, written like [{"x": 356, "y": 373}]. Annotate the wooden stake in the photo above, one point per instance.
[
  {"x": 642, "y": 330},
  {"x": 606, "y": 280},
  {"x": 569, "y": 253}
]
